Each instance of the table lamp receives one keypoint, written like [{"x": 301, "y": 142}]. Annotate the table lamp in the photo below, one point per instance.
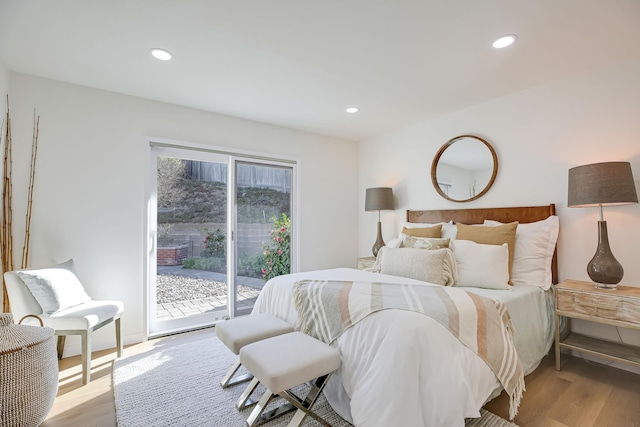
[
  {"x": 377, "y": 199},
  {"x": 602, "y": 184}
]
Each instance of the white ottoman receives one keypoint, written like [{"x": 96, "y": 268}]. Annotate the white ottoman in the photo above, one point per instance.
[
  {"x": 240, "y": 331},
  {"x": 283, "y": 362}
]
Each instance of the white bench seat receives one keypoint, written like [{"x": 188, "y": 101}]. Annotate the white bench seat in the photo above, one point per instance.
[
  {"x": 283, "y": 362},
  {"x": 241, "y": 331}
]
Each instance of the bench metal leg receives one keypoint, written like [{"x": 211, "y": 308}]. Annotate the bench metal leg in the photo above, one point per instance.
[
  {"x": 256, "y": 417},
  {"x": 304, "y": 407},
  {"x": 294, "y": 402},
  {"x": 226, "y": 381},
  {"x": 245, "y": 398}
]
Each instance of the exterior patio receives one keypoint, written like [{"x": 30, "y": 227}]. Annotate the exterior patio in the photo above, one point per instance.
[{"x": 184, "y": 292}]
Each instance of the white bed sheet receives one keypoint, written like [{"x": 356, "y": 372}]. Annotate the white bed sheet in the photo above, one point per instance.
[{"x": 403, "y": 368}]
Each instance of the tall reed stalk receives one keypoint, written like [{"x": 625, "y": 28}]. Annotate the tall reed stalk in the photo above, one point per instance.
[
  {"x": 6, "y": 238},
  {"x": 6, "y": 222},
  {"x": 32, "y": 178}
]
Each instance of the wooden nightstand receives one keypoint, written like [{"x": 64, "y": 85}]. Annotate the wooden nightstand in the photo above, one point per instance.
[
  {"x": 582, "y": 300},
  {"x": 366, "y": 262}
]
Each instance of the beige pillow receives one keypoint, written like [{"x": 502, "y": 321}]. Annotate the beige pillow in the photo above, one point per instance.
[
  {"x": 425, "y": 243},
  {"x": 438, "y": 266},
  {"x": 491, "y": 236},
  {"x": 432, "y": 232}
]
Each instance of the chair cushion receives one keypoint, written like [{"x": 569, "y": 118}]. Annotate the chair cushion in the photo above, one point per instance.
[
  {"x": 238, "y": 332},
  {"x": 84, "y": 316},
  {"x": 56, "y": 288},
  {"x": 288, "y": 360}
]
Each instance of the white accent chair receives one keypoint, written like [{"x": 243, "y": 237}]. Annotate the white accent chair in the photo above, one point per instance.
[{"x": 81, "y": 319}]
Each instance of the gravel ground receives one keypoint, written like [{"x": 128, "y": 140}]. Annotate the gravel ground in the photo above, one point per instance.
[{"x": 173, "y": 288}]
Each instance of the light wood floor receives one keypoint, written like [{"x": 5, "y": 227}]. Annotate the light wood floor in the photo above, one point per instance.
[{"x": 581, "y": 395}]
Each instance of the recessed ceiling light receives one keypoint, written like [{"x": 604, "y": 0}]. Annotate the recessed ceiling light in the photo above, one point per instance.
[
  {"x": 161, "y": 54},
  {"x": 505, "y": 41},
  {"x": 352, "y": 110}
]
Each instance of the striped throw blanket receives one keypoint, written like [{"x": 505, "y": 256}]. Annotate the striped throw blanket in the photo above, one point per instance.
[{"x": 326, "y": 309}]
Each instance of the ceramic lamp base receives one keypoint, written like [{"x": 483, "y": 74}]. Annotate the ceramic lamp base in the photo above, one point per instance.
[
  {"x": 604, "y": 269},
  {"x": 379, "y": 242}
]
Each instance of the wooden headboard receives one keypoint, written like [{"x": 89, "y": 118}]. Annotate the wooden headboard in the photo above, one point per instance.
[{"x": 477, "y": 216}]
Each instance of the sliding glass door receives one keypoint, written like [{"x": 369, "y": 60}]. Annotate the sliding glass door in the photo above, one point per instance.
[
  {"x": 263, "y": 228},
  {"x": 220, "y": 226}
]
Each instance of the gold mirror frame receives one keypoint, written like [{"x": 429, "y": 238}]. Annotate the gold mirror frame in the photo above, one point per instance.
[{"x": 436, "y": 159}]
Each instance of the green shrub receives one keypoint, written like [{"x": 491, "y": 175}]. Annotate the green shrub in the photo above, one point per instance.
[
  {"x": 207, "y": 264},
  {"x": 250, "y": 266},
  {"x": 213, "y": 245},
  {"x": 277, "y": 253}
]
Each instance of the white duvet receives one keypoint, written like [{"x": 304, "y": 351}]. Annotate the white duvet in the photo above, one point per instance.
[{"x": 401, "y": 368}]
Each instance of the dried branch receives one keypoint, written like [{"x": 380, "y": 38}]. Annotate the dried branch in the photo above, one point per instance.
[
  {"x": 6, "y": 241},
  {"x": 32, "y": 176}
]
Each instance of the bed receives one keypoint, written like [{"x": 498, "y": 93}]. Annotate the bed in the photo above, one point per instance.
[{"x": 400, "y": 367}]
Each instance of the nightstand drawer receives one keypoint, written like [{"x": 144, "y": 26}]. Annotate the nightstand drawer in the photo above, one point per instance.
[{"x": 610, "y": 307}]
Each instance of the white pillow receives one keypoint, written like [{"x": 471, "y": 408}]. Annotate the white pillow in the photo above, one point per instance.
[
  {"x": 482, "y": 266},
  {"x": 55, "y": 288},
  {"x": 533, "y": 251}
]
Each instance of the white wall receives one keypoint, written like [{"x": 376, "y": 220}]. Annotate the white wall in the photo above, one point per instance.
[
  {"x": 538, "y": 135},
  {"x": 4, "y": 84},
  {"x": 89, "y": 199}
]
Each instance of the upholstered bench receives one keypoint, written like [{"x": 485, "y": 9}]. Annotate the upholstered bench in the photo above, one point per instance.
[
  {"x": 240, "y": 331},
  {"x": 283, "y": 362}
]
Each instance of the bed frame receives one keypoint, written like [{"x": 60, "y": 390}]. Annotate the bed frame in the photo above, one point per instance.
[{"x": 523, "y": 214}]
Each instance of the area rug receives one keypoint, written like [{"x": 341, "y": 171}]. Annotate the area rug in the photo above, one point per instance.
[{"x": 178, "y": 384}]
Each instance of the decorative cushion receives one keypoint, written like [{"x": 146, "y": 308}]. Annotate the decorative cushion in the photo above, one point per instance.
[
  {"x": 432, "y": 232},
  {"x": 480, "y": 265},
  {"x": 533, "y": 252},
  {"x": 56, "y": 288},
  {"x": 424, "y": 243},
  {"x": 496, "y": 235},
  {"x": 448, "y": 231},
  {"x": 434, "y": 266}
]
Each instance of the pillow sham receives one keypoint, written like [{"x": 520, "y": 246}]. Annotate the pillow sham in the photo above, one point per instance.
[
  {"x": 424, "y": 243},
  {"x": 481, "y": 265},
  {"x": 55, "y": 288},
  {"x": 433, "y": 232},
  {"x": 496, "y": 235},
  {"x": 533, "y": 252},
  {"x": 424, "y": 231},
  {"x": 448, "y": 228},
  {"x": 435, "y": 266}
]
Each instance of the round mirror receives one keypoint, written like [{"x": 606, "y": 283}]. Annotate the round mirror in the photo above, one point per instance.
[{"x": 464, "y": 168}]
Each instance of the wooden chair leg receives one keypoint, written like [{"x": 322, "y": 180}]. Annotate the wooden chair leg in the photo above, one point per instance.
[
  {"x": 61, "y": 339},
  {"x": 86, "y": 357},
  {"x": 119, "y": 348}
]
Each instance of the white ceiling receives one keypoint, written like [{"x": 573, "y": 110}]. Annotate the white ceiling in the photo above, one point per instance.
[{"x": 299, "y": 64}]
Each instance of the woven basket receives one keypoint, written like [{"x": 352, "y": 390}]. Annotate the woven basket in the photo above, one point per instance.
[{"x": 28, "y": 373}]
